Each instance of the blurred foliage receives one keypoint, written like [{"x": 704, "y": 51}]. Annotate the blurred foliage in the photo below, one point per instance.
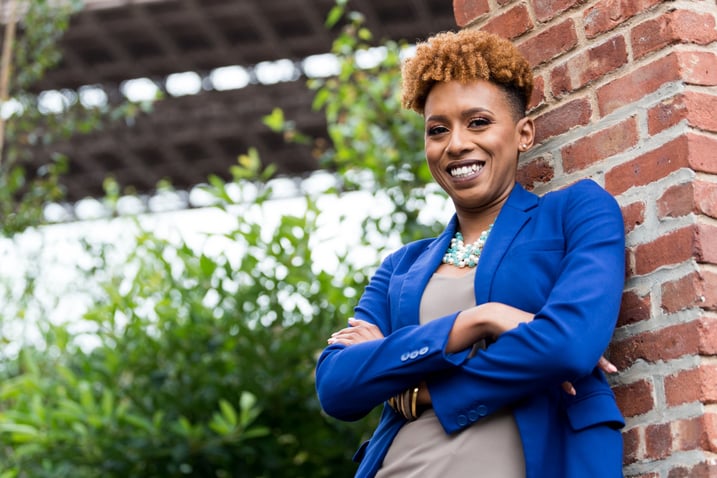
[
  {"x": 198, "y": 359},
  {"x": 374, "y": 144},
  {"x": 30, "y": 167},
  {"x": 203, "y": 366}
]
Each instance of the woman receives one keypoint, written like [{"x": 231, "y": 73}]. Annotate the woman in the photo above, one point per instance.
[{"x": 483, "y": 342}]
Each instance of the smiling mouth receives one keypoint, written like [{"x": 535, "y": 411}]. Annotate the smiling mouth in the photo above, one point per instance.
[{"x": 460, "y": 172}]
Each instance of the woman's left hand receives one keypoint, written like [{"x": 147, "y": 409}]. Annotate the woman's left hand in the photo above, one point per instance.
[
  {"x": 604, "y": 364},
  {"x": 358, "y": 331}
]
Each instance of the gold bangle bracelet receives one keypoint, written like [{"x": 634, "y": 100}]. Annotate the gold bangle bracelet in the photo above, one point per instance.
[
  {"x": 414, "y": 402},
  {"x": 399, "y": 404},
  {"x": 406, "y": 404}
]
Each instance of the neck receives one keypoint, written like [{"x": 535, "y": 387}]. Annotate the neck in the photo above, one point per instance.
[
  {"x": 474, "y": 220},
  {"x": 472, "y": 224}
]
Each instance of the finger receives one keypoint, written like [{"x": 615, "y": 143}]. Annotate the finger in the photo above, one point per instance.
[
  {"x": 349, "y": 339},
  {"x": 568, "y": 388},
  {"x": 606, "y": 366},
  {"x": 343, "y": 332},
  {"x": 354, "y": 322},
  {"x": 346, "y": 336},
  {"x": 370, "y": 330},
  {"x": 338, "y": 340},
  {"x": 355, "y": 335}
]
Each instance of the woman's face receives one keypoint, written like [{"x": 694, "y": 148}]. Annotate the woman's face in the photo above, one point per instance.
[{"x": 472, "y": 142}]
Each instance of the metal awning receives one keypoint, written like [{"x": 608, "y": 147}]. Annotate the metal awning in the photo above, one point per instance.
[{"x": 186, "y": 138}]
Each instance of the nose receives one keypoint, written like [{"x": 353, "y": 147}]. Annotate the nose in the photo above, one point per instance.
[{"x": 458, "y": 143}]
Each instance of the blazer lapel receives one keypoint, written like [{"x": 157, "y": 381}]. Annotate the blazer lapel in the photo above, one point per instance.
[
  {"x": 418, "y": 275},
  {"x": 511, "y": 219}
]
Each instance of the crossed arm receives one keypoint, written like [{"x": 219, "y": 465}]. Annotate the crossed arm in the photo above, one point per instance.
[
  {"x": 483, "y": 321},
  {"x": 361, "y": 368}
]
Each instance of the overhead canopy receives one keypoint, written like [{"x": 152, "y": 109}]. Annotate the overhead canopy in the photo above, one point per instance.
[{"x": 187, "y": 137}]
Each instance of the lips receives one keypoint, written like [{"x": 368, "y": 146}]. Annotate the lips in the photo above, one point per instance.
[{"x": 465, "y": 170}]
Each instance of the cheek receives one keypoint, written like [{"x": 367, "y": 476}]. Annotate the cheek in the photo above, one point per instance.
[
  {"x": 432, "y": 150},
  {"x": 430, "y": 155},
  {"x": 433, "y": 161}
]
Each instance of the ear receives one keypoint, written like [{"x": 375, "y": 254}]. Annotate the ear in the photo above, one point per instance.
[{"x": 525, "y": 128}]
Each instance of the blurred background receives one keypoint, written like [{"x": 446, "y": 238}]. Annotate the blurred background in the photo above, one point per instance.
[
  {"x": 193, "y": 194},
  {"x": 219, "y": 66}
]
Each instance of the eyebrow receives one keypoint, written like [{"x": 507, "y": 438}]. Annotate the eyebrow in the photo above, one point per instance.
[{"x": 464, "y": 114}]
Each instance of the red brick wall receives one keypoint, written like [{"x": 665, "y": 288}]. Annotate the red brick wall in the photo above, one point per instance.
[{"x": 626, "y": 94}]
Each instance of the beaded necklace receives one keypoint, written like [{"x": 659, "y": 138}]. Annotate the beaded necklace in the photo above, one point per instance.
[{"x": 461, "y": 255}]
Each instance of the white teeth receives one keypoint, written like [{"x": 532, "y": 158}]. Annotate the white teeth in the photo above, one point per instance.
[{"x": 465, "y": 170}]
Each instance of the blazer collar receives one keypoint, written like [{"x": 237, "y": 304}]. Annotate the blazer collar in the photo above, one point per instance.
[
  {"x": 511, "y": 219},
  {"x": 514, "y": 215}
]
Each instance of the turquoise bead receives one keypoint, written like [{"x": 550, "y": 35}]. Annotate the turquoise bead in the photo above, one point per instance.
[{"x": 461, "y": 255}]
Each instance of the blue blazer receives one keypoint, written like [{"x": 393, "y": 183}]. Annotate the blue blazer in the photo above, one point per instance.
[{"x": 559, "y": 256}]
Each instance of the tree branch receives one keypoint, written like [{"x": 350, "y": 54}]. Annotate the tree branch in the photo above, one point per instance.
[{"x": 8, "y": 44}]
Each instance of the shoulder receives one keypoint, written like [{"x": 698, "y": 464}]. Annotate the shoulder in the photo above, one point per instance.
[
  {"x": 410, "y": 251},
  {"x": 584, "y": 187},
  {"x": 585, "y": 207},
  {"x": 585, "y": 194}
]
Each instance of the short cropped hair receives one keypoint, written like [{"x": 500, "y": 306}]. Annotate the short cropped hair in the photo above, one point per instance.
[{"x": 466, "y": 56}]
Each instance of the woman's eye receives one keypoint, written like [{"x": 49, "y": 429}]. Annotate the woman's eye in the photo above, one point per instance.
[
  {"x": 434, "y": 130},
  {"x": 478, "y": 122}
]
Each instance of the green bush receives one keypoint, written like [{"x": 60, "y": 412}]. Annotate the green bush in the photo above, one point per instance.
[
  {"x": 252, "y": 322},
  {"x": 203, "y": 367}
]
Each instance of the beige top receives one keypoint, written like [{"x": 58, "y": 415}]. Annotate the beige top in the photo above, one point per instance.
[{"x": 491, "y": 448}]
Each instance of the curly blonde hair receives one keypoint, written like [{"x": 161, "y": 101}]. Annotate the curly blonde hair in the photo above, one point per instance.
[{"x": 464, "y": 56}]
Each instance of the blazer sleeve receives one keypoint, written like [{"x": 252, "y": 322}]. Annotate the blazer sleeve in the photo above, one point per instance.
[
  {"x": 568, "y": 334},
  {"x": 352, "y": 380}
]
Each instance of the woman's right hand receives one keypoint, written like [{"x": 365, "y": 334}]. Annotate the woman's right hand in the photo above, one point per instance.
[
  {"x": 493, "y": 319},
  {"x": 487, "y": 320},
  {"x": 357, "y": 332}
]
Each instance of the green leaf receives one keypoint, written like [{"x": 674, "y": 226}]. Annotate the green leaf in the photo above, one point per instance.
[
  {"x": 228, "y": 412},
  {"x": 18, "y": 386},
  {"x": 20, "y": 433},
  {"x": 335, "y": 14},
  {"x": 275, "y": 120},
  {"x": 220, "y": 425},
  {"x": 87, "y": 400},
  {"x": 256, "y": 432},
  {"x": 108, "y": 403},
  {"x": 138, "y": 421},
  {"x": 185, "y": 426},
  {"x": 365, "y": 34}
]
